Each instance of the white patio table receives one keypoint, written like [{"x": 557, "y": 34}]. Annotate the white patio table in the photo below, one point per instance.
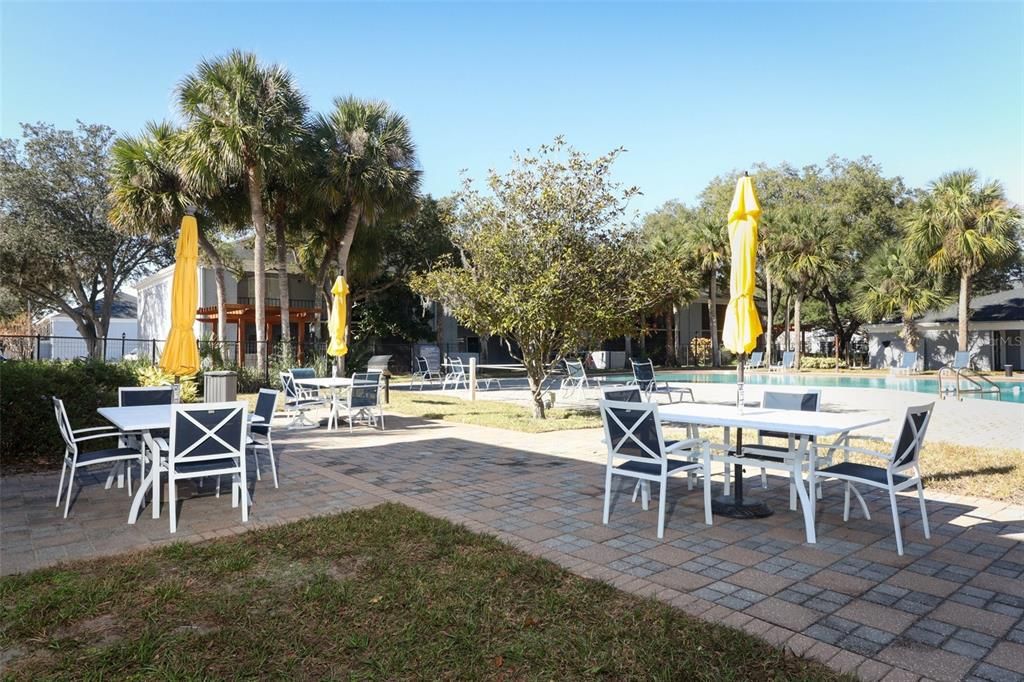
[
  {"x": 145, "y": 419},
  {"x": 332, "y": 384},
  {"x": 803, "y": 425}
]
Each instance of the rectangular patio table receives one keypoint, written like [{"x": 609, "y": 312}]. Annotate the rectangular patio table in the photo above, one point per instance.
[
  {"x": 803, "y": 425},
  {"x": 332, "y": 384},
  {"x": 145, "y": 419}
]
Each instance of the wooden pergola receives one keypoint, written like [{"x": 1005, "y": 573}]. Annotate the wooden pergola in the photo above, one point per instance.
[{"x": 244, "y": 315}]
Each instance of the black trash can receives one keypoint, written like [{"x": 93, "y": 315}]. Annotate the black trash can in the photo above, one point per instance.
[{"x": 1008, "y": 370}]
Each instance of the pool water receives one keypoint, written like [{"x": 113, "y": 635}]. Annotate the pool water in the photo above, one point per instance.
[{"x": 1010, "y": 392}]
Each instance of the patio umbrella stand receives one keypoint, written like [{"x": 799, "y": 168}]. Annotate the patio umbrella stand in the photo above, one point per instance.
[{"x": 741, "y": 329}]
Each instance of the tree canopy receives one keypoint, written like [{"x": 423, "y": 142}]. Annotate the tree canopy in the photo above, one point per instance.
[
  {"x": 57, "y": 245},
  {"x": 548, "y": 260}
]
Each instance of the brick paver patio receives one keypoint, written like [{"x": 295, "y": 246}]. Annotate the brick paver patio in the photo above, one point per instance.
[{"x": 951, "y": 609}]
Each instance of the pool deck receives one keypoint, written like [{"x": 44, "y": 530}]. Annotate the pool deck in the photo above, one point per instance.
[
  {"x": 972, "y": 421},
  {"x": 951, "y": 609}
]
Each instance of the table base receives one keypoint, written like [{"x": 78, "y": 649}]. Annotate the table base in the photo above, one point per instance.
[{"x": 729, "y": 506}]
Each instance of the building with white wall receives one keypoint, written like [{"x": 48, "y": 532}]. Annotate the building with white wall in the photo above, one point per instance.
[
  {"x": 61, "y": 340},
  {"x": 996, "y": 332}
]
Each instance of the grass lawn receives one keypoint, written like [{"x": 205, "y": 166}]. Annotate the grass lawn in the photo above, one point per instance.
[
  {"x": 386, "y": 593},
  {"x": 495, "y": 413}
]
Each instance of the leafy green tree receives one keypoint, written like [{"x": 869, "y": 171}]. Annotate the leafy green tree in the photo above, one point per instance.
[
  {"x": 963, "y": 226},
  {"x": 243, "y": 118},
  {"x": 547, "y": 260},
  {"x": 897, "y": 282},
  {"x": 57, "y": 247}
]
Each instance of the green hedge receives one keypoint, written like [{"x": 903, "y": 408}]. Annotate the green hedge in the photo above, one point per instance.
[
  {"x": 29, "y": 439},
  {"x": 820, "y": 362}
]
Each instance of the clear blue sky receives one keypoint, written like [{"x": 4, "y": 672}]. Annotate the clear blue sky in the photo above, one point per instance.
[{"x": 691, "y": 90}]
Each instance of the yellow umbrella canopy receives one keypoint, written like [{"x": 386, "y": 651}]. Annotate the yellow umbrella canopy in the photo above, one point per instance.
[
  {"x": 181, "y": 356},
  {"x": 742, "y": 322},
  {"x": 337, "y": 321}
]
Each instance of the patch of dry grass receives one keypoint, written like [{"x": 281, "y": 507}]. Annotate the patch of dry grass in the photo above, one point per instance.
[{"x": 386, "y": 593}]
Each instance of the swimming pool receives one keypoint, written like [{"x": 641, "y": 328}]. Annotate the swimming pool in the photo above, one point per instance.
[{"x": 1010, "y": 392}]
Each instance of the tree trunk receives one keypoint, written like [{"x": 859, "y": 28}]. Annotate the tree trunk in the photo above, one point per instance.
[
  {"x": 283, "y": 293},
  {"x": 797, "y": 300},
  {"x": 768, "y": 335},
  {"x": 677, "y": 337},
  {"x": 909, "y": 333},
  {"x": 351, "y": 224},
  {"x": 259, "y": 223},
  {"x": 218, "y": 279},
  {"x": 789, "y": 304},
  {"x": 643, "y": 337},
  {"x": 535, "y": 376},
  {"x": 963, "y": 313},
  {"x": 716, "y": 352}
]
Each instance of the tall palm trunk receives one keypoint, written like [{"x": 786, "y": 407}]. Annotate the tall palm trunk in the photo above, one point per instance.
[
  {"x": 789, "y": 318},
  {"x": 351, "y": 224},
  {"x": 218, "y": 281},
  {"x": 283, "y": 292},
  {"x": 797, "y": 300},
  {"x": 259, "y": 223},
  {"x": 909, "y": 332},
  {"x": 963, "y": 312},
  {"x": 716, "y": 353},
  {"x": 768, "y": 330}
]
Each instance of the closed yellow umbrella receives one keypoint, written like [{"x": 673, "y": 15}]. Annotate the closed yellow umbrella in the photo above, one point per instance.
[
  {"x": 742, "y": 322},
  {"x": 181, "y": 356},
  {"x": 337, "y": 321},
  {"x": 742, "y": 327}
]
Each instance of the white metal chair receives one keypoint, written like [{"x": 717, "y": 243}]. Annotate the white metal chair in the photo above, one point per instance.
[
  {"x": 363, "y": 400},
  {"x": 636, "y": 449},
  {"x": 902, "y": 470},
  {"x": 908, "y": 364},
  {"x": 298, "y": 401},
  {"x": 780, "y": 457},
  {"x": 259, "y": 434},
  {"x": 208, "y": 439},
  {"x": 74, "y": 459},
  {"x": 643, "y": 376},
  {"x": 423, "y": 373},
  {"x": 456, "y": 375},
  {"x": 788, "y": 362}
]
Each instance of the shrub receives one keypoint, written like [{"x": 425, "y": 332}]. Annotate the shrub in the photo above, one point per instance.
[
  {"x": 153, "y": 375},
  {"x": 820, "y": 362},
  {"x": 29, "y": 439}
]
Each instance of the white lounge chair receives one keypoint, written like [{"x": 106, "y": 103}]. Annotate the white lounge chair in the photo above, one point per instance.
[
  {"x": 788, "y": 362},
  {"x": 755, "y": 361},
  {"x": 643, "y": 376},
  {"x": 908, "y": 364}
]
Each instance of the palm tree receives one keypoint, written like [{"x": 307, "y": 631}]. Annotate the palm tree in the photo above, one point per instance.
[
  {"x": 290, "y": 204},
  {"x": 897, "y": 283},
  {"x": 149, "y": 195},
  {"x": 802, "y": 257},
  {"x": 962, "y": 226},
  {"x": 243, "y": 118},
  {"x": 370, "y": 171},
  {"x": 372, "y": 164},
  {"x": 706, "y": 243}
]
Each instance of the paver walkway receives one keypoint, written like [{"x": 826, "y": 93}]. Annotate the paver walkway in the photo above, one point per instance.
[{"x": 952, "y": 608}]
